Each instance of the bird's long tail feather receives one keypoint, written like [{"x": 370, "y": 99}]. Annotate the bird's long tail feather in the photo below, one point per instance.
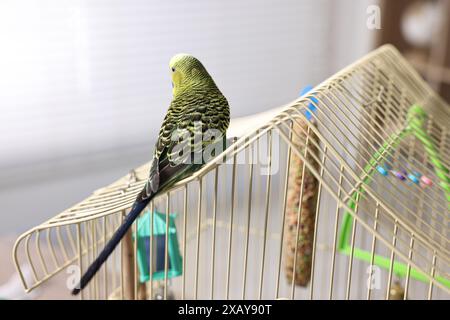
[
  {"x": 112, "y": 244},
  {"x": 168, "y": 174}
]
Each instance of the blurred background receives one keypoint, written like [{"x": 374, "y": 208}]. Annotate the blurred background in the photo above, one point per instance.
[{"x": 84, "y": 85}]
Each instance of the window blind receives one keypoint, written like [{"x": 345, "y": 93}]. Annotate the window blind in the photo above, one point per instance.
[{"x": 80, "y": 77}]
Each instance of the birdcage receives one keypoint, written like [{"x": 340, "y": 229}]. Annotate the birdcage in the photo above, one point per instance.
[{"x": 343, "y": 194}]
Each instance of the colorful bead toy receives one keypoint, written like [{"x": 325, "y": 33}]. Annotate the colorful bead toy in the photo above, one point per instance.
[
  {"x": 382, "y": 170},
  {"x": 413, "y": 178},
  {"x": 426, "y": 181},
  {"x": 402, "y": 174},
  {"x": 399, "y": 175}
]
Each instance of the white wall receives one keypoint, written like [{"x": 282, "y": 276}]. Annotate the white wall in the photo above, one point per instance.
[{"x": 84, "y": 85}]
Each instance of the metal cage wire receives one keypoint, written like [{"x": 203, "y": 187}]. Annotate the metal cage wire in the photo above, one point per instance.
[{"x": 247, "y": 231}]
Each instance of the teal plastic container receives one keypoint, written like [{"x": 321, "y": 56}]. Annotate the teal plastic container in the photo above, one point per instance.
[{"x": 158, "y": 236}]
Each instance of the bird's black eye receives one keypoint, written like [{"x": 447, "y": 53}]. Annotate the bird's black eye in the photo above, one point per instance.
[{"x": 173, "y": 69}]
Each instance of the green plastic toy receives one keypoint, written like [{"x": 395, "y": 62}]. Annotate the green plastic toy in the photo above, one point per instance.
[{"x": 415, "y": 121}]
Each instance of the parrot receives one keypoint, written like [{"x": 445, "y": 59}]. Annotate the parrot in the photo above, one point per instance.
[{"x": 196, "y": 99}]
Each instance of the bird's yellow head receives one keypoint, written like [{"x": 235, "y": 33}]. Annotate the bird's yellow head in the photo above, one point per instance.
[{"x": 187, "y": 72}]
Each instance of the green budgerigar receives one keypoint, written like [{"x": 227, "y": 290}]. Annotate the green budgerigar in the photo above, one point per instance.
[{"x": 197, "y": 107}]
